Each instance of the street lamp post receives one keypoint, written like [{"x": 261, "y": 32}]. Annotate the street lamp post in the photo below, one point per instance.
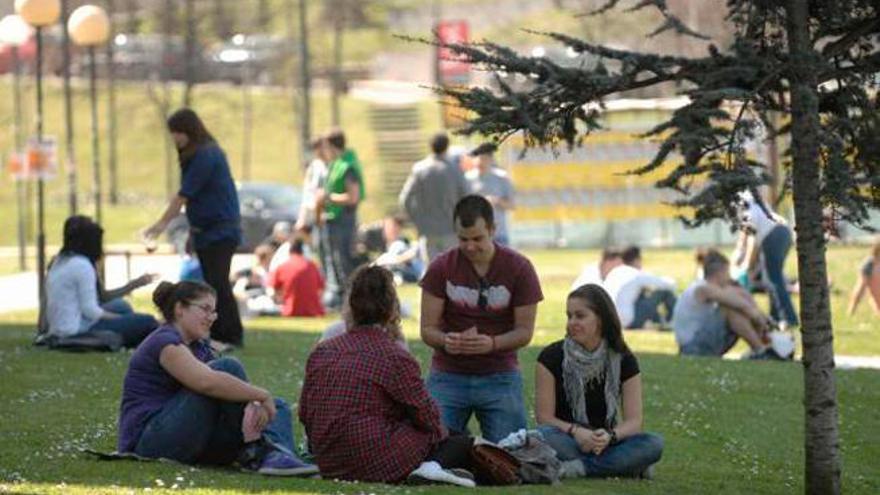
[
  {"x": 39, "y": 14},
  {"x": 15, "y": 32},
  {"x": 89, "y": 26}
]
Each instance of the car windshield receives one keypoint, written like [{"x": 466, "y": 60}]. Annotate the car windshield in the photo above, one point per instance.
[{"x": 272, "y": 197}]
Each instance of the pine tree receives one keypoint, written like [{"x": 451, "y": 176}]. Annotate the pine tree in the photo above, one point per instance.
[{"x": 815, "y": 63}]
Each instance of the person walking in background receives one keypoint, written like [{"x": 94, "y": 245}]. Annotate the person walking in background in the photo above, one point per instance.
[
  {"x": 581, "y": 384},
  {"x": 429, "y": 195},
  {"x": 713, "y": 312},
  {"x": 637, "y": 294},
  {"x": 180, "y": 403},
  {"x": 208, "y": 192},
  {"x": 309, "y": 224},
  {"x": 868, "y": 281},
  {"x": 297, "y": 284},
  {"x": 493, "y": 183},
  {"x": 74, "y": 305},
  {"x": 339, "y": 199},
  {"x": 772, "y": 240},
  {"x": 479, "y": 303}
]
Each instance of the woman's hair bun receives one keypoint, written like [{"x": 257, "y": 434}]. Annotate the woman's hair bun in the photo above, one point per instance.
[{"x": 162, "y": 293}]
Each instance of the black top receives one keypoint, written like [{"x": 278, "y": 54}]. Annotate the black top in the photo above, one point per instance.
[{"x": 551, "y": 358}]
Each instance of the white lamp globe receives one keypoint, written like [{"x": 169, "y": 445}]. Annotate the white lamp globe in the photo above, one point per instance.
[
  {"x": 89, "y": 25},
  {"x": 14, "y": 31},
  {"x": 38, "y": 13}
]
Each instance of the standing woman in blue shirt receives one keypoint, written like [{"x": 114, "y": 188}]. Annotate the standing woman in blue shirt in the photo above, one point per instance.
[{"x": 208, "y": 191}]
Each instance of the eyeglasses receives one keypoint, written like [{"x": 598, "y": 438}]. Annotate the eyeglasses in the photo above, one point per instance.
[
  {"x": 483, "y": 296},
  {"x": 206, "y": 308}
]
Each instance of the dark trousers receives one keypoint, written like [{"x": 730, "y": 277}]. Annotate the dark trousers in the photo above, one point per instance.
[
  {"x": 215, "y": 260},
  {"x": 339, "y": 259},
  {"x": 453, "y": 452},
  {"x": 648, "y": 305}
]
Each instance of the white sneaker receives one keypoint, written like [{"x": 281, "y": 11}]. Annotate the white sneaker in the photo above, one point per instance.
[{"x": 430, "y": 472}]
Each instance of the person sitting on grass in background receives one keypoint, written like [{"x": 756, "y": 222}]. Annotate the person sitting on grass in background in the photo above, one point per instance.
[
  {"x": 180, "y": 403},
  {"x": 637, "y": 294},
  {"x": 868, "y": 281},
  {"x": 399, "y": 254},
  {"x": 596, "y": 273},
  {"x": 364, "y": 406},
  {"x": 581, "y": 384},
  {"x": 297, "y": 284},
  {"x": 713, "y": 312},
  {"x": 251, "y": 285},
  {"x": 76, "y": 304}
]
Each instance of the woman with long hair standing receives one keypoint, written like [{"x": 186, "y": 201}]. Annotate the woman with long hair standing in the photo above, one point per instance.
[
  {"x": 588, "y": 394},
  {"x": 208, "y": 192}
]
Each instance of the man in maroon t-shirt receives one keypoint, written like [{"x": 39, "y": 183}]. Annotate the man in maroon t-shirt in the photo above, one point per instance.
[
  {"x": 479, "y": 302},
  {"x": 298, "y": 284}
]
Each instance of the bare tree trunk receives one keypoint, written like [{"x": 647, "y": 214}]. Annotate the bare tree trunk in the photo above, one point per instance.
[
  {"x": 223, "y": 25},
  {"x": 190, "y": 78},
  {"x": 264, "y": 15},
  {"x": 822, "y": 444},
  {"x": 132, "y": 17},
  {"x": 111, "y": 111},
  {"x": 164, "y": 103},
  {"x": 338, "y": 32}
]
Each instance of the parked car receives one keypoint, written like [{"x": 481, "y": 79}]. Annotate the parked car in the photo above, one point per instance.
[
  {"x": 141, "y": 57},
  {"x": 257, "y": 58},
  {"x": 262, "y": 204}
]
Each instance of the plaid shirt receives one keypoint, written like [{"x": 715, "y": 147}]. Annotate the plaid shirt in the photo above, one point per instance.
[{"x": 366, "y": 410}]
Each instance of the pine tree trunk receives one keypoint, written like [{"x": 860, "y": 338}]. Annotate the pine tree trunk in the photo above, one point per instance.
[{"x": 822, "y": 446}]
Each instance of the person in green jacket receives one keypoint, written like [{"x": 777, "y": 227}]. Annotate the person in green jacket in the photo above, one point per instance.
[{"x": 342, "y": 193}]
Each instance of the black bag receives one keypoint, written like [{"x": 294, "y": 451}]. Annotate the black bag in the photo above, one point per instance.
[{"x": 96, "y": 340}]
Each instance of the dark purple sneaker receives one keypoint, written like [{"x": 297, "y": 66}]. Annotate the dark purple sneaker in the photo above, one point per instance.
[{"x": 277, "y": 463}]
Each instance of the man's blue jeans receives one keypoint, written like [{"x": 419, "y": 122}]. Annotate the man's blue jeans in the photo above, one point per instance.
[
  {"x": 774, "y": 250},
  {"x": 132, "y": 327},
  {"x": 193, "y": 428},
  {"x": 496, "y": 400},
  {"x": 628, "y": 457},
  {"x": 647, "y": 305}
]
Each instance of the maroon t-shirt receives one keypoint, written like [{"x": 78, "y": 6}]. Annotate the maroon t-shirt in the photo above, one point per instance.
[{"x": 510, "y": 282}]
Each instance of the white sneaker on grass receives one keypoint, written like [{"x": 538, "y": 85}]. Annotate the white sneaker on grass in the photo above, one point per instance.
[{"x": 431, "y": 472}]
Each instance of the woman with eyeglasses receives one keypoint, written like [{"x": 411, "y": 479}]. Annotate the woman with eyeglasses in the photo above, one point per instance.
[{"x": 180, "y": 403}]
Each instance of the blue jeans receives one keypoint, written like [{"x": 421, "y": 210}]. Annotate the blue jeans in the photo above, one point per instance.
[
  {"x": 496, "y": 400},
  {"x": 774, "y": 249},
  {"x": 132, "y": 327},
  {"x": 193, "y": 428},
  {"x": 647, "y": 304},
  {"x": 339, "y": 260},
  {"x": 713, "y": 339},
  {"x": 628, "y": 457}
]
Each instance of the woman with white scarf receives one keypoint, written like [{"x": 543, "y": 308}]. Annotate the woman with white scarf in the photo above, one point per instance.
[{"x": 588, "y": 394}]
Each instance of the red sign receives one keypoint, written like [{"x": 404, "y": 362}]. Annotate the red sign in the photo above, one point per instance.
[{"x": 453, "y": 68}]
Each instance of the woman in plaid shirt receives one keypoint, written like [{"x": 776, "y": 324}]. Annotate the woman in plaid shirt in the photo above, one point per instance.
[{"x": 364, "y": 405}]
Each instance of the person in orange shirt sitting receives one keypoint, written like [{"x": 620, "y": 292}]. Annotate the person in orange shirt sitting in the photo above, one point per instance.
[{"x": 298, "y": 284}]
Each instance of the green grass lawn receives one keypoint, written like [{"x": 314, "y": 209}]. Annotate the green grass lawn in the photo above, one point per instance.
[{"x": 729, "y": 426}]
